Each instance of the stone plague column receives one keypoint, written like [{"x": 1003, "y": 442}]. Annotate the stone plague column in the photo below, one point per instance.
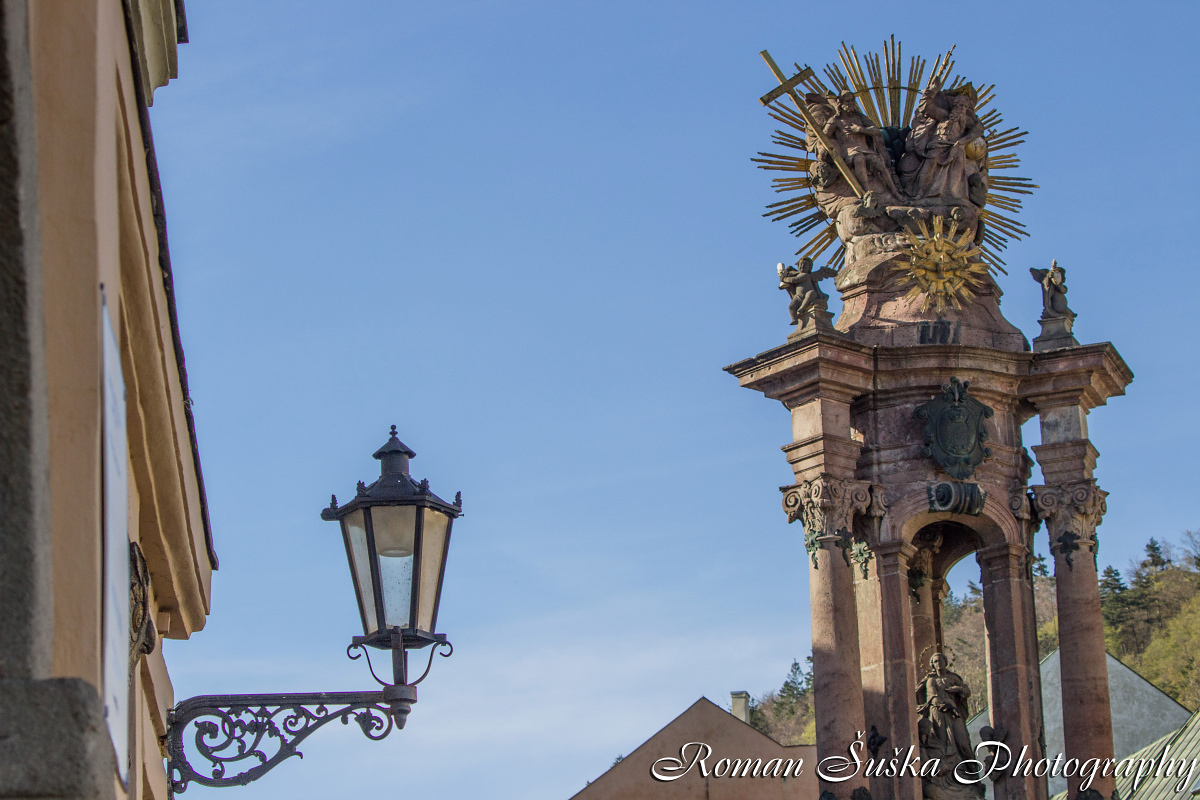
[{"x": 906, "y": 427}]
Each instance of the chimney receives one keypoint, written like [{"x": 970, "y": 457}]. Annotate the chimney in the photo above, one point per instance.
[{"x": 741, "y": 705}]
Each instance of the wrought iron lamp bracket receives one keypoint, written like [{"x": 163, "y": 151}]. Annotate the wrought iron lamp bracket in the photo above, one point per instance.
[{"x": 244, "y": 736}]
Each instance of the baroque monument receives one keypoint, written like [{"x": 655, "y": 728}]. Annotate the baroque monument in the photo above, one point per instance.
[{"x": 906, "y": 414}]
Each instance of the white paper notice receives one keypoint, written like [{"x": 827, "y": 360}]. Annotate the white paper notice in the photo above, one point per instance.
[{"x": 116, "y": 551}]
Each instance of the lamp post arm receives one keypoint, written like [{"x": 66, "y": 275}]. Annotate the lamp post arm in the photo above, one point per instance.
[{"x": 244, "y": 736}]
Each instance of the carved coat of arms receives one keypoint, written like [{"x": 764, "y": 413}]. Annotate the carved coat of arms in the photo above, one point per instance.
[{"x": 955, "y": 430}]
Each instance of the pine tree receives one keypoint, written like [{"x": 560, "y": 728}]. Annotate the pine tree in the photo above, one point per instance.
[
  {"x": 1040, "y": 569},
  {"x": 1111, "y": 583},
  {"x": 1113, "y": 604},
  {"x": 796, "y": 687},
  {"x": 1154, "y": 556}
]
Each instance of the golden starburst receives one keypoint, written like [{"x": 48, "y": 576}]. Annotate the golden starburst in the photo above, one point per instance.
[
  {"x": 888, "y": 96},
  {"x": 944, "y": 270}
]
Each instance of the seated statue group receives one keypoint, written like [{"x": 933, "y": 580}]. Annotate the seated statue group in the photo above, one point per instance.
[{"x": 936, "y": 167}]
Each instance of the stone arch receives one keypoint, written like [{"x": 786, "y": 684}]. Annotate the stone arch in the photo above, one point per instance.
[{"x": 995, "y": 524}]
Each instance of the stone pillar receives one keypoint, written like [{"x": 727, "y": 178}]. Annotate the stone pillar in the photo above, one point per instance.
[
  {"x": 937, "y": 590},
  {"x": 899, "y": 676},
  {"x": 868, "y": 601},
  {"x": 925, "y": 601},
  {"x": 1011, "y": 701},
  {"x": 1022, "y": 508},
  {"x": 827, "y": 507},
  {"x": 1072, "y": 513},
  {"x": 921, "y": 601}
]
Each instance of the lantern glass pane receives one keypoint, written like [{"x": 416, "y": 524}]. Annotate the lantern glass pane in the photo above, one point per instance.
[
  {"x": 433, "y": 545},
  {"x": 360, "y": 568},
  {"x": 395, "y": 536}
]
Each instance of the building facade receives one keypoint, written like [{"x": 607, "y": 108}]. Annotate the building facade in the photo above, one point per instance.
[{"x": 105, "y": 546}]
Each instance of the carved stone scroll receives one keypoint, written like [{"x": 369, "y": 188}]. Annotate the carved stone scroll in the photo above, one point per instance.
[{"x": 955, "y": 497}]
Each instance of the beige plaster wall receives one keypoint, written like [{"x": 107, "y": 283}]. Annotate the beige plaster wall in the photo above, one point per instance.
[{"x": 96, "y": 210}]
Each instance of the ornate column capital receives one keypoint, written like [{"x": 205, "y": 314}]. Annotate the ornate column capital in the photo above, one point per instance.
[
  {"x": 827, "y": 506},
  {"x": 1072, "y": 512}
]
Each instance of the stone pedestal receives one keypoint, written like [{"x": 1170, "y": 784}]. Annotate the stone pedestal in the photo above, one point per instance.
[
  {"x": 53, "y": 741},
  {"x": 820, "y": 320},
  {"x": 1056, "y": 333}
]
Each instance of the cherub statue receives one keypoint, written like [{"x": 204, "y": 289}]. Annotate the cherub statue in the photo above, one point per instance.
[
  {"x": 801, "y": 283},
  {"x": 1054, "y": 291}
]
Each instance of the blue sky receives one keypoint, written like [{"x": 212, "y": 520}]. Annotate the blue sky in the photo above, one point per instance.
[{"x": 529, "y": 234}]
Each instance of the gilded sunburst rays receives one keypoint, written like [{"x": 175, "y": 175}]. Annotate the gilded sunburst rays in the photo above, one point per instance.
[
  {"x": 943, "y": 266},
  {"x": 888, "y": 92}
]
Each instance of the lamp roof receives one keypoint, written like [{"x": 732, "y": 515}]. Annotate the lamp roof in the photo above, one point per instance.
[
  {"x": 394, "y": 445},
  {"x": 394, "y": 486}
]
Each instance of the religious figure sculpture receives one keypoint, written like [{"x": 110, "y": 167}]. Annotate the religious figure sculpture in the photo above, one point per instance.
[
  {"x": 862, "y": 147},
  {"x": 801, "y": 282},
  {"x": 886, "y": 152},
  {"x": 945, "y": 154},
  {"x": 942, "y": 698}
]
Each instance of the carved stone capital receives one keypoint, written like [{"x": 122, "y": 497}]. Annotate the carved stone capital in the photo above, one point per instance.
[
  {"x": 1072, "y": 513},
  {"x": 1019, "y": 505},
  {"x": 826, "y": 506}
]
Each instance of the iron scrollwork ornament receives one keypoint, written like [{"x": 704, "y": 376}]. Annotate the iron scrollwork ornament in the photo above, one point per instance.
[
  {"x": 955, "y": 429},
  {"x": 244, "y": 736}
]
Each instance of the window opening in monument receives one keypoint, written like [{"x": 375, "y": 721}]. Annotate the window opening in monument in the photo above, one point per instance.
[{"x": 964, "y": 637}]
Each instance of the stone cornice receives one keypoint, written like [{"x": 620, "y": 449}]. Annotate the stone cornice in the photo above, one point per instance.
[
  {"x": 821, "y": 365},
  {"x": 1076, "y": 376}
]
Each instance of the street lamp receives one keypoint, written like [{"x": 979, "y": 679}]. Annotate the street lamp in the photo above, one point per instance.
[{"x": 396, "y": 533}]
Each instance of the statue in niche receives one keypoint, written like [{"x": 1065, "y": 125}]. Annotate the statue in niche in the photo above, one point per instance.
[
  {"x": 945, "y": 157},
  {"x": 942, "y": 728},
  {"x": 801, "y": 283},
  {"x": 1054, "y": 291}
]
